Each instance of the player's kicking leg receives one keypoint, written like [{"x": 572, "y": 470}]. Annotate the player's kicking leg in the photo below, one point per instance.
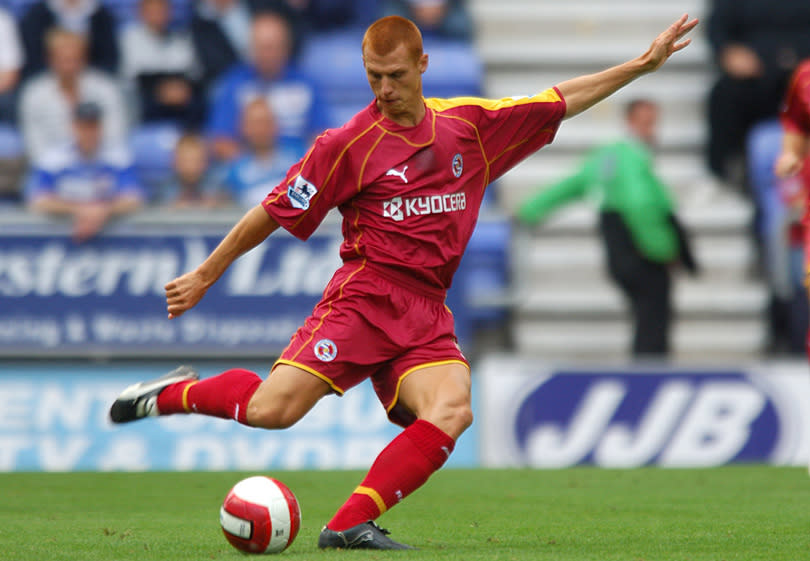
[
  {"x": 439, "y": 396},
  {"x": 278, "y": 402}
]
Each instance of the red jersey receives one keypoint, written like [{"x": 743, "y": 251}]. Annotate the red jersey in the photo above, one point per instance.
[{"x": 410, "y": 196}]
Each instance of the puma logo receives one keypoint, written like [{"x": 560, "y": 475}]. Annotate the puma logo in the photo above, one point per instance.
[{"x": 400, "y": 174}]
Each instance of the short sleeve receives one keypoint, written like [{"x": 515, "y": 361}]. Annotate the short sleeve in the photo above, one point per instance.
[
  {"x": 795, "y": 115},
  {"x": 511, "y": 128},
  {"x": 322, "y": 180}
]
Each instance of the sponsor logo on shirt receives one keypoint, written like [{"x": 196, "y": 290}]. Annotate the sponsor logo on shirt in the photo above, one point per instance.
[
  {"x": 400, "y": 208},
  {"x": 301, "y": 192},
  {"x": 326, "y": 350}
]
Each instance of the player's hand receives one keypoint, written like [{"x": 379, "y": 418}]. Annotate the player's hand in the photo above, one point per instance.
[
  {"x": 668, "y": 42},
  {"x": 787, "y": 164},
  {"x": 183, "y": 293}
]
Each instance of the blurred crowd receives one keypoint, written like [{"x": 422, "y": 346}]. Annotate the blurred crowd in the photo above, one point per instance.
[
  {"x": 757, "y": 46},
  {"x": 109, "y": 106}
]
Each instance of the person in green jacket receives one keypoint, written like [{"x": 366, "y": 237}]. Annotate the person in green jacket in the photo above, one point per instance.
[{"x": 637, "y": 222}]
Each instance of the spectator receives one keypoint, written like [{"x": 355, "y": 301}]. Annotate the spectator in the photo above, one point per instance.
[
  {"x": 292, "y": 96},
  {"x": 11, "y": 61},
  {"x": 192, "y": 186},
  {"x": 756, "y": 44},
  {"x": 264, "y": 163},
  {"x": 159, "y": 66},
  {"x": 220, "y": 30},
  {"x": 641, "y": 236},
  {"x": 322, "y": 15},
  {"x": 441, "y": 19},
  {"x": 85, "y": 180},
  {"x": 48, "y": 101},
  {"x": 89, "y": 18}
]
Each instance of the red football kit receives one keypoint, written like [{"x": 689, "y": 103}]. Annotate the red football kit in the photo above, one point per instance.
[
  {"x": 410, "y": 198},
  {"x": 795, "y": 118}
]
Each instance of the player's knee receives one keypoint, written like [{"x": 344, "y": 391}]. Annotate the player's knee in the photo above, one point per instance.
[
  {"x": 464, "y": 417},
  {"x": 453, "y": 418}
]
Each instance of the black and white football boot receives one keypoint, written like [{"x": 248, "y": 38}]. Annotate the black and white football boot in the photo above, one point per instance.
[
  {"x": 363, "y": 536},
  {"x": 140, "y": 400}
]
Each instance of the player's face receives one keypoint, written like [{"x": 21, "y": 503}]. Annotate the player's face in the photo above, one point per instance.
[{"x": 396, "y": 80}]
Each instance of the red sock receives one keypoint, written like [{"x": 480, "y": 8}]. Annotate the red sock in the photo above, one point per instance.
[
  {"x": 401, "y": 468},
  {"x": 225, "y": 396}
]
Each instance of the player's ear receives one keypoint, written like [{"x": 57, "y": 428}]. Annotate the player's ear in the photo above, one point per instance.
[{"x": 422, "y": 64}]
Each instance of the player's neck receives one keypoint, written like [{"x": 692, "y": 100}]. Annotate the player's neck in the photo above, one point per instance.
[{"x": 409, "y": 117}]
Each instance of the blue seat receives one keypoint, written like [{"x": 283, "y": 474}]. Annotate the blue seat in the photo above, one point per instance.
[
  {"x": 153, "y": 153},
  {"x": 11, "y": 142},
  {"x": 454, "y": 69},
  {"x": 334, "y": 61}
]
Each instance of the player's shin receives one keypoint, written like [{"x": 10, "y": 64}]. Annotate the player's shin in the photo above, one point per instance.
[
  {"x": 402, "y": 467},
  {"x": 225, "y": 396}
]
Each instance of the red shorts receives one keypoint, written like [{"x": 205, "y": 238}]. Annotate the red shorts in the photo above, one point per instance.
[{"x": 371, "y": 324}]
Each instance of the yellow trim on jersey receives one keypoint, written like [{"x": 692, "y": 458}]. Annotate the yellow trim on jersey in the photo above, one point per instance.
[
  {"x": 438, "y": 104},
  {"x": 420, "y": 367},
  {"x": 480, "y": 143},
  {"x": 365, "y": 161},
  {"x": 331, "y": 302},
  {"x": 312, "y": 371},
  {"x": 374, "y": 495},
  {"x": 186, "y": 407},
  {"x": 331, "y": 171},
  {"x": 407, "y": 141}
]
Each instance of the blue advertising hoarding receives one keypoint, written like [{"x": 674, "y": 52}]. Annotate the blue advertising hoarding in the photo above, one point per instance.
[
  {"x": 54, "y": 417},
  {"x": 547, "y": 416},
  {"x": 105, "y": 297}
]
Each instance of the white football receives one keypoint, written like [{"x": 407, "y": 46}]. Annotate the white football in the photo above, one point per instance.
[{"x": 260, "y": 515}]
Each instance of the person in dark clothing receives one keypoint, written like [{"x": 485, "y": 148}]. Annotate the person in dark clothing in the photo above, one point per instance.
[
  {"x": 220, "y": 31},
  {"x": 756, "y": 44},
  {"x": 86, "y": 17},
  {"x": 639, "y": 229}
]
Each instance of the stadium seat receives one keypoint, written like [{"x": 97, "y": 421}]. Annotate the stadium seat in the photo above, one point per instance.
[
  {"x": 153, "y": 152},
  {"x": 484, "y": 271},
  {"x": 11, "y": 143},
  {"x": 334, "y": 61},
  {"x": 454, "y": 69}
]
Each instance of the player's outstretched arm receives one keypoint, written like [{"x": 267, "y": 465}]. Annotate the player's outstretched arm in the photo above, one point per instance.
[
  {"x": 185, "y": 291},
  {"x": 584, "y": 92}
]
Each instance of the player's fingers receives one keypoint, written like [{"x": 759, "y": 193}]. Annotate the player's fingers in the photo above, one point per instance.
[
  {"x": 686, "y": 28},
  {"x": 681, "y": 45}
]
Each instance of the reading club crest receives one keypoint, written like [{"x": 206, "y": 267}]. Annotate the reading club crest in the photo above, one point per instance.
[
  {"x": 458, "y": 165},
  {"x": 325, "y": 350}
]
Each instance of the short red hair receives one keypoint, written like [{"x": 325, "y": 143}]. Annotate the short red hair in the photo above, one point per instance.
[{"x": 386, "y": 34}]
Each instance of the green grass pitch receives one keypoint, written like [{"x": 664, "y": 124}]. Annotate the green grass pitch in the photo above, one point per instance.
[{"x": 735, "y": 513}]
